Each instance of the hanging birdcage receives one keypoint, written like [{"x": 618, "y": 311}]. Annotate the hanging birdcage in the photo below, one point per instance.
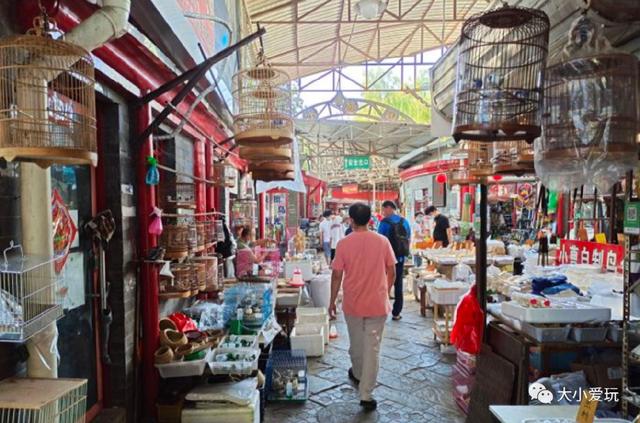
[
  {"x": 272, "y": 171},
  {"x": 47, "y": 99},
  {"x": 181, "y": 195},
  {"x": 262, "y": 95},
  {"x": 478, "y": 158},
  {"x": 590, "y": 113},
  {"x": 224, "y": 175},
  {"x": 501, "y": 61},
  {"x": 512, "y": 157},
  {"x": 175, "y": 238},
  {"x": 617, "y": 10}
]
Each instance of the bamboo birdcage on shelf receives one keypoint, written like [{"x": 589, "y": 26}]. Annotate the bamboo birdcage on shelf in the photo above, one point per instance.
[
  {"x": 224, "y": 175},
  {"x": 181, "y": 195},
  {"x": 47, "y": 99},
  {"x": 201, "y": 236},
  {"x": 590, "y": 119},
  {"x": 211, "y": 271},
  {"x": 478, "y": 158},
  {"x": 512, "y": 158},
  {"x": 501, "y": 60},
  {"x": 263, "y": 125}
]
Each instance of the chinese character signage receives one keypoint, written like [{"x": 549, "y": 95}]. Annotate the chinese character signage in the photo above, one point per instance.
[
  {"x": 356, "y": 162},
  {"x": 609, "y": 256}
]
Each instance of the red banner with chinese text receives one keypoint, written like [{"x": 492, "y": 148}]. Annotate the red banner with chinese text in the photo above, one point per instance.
[{"x": 609, "y": 256}]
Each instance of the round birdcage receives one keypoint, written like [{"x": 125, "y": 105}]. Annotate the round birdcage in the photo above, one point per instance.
[
  {"x": 47, "y": 99},
  {"x": 512, "y": 157},
  {"x": 462, "y": 177},
  {"x": 280, "y": 153},
  {"x": 272, "y": 171},
  {"x": 617, "y": 10},
  {"x": 478, "y": 158},
  {"x": 224, "y": 175},
  {"x": 590, "y": 119},
  {"x": 262, "y": 96},
  {"x": 175, "y": 240},
  {"x": 501, "y": 60}
]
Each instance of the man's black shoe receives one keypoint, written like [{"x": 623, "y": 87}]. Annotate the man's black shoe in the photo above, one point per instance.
[
  {"x": 370, "y": 405},
  {"x": 353, "y": 377}
]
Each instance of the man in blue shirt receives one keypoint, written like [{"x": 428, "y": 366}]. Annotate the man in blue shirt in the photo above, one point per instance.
[{"x": 398, "y": 231}]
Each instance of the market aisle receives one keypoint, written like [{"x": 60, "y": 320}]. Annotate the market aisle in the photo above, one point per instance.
[{"x": 414, "y": 383}]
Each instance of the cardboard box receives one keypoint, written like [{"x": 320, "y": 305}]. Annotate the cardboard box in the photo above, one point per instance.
[{"x": 601, "y": 375}]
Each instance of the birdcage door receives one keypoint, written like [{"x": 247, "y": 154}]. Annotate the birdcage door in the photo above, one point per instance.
[{"x": 77, "y": 329}]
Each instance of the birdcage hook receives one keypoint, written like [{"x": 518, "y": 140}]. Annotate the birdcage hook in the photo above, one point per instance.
[{"x": 12, "y": 246}]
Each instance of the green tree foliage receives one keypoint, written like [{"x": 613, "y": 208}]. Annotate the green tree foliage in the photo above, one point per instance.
[{"x": 406, "y": 102}]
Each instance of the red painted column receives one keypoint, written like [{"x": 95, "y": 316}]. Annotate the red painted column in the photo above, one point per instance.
[
  {"x": 146, "y": 198},
  {"x": 210, "y": 189},
  {"x": 199, "y": 171},
  {"x": 261, "y": 215}
]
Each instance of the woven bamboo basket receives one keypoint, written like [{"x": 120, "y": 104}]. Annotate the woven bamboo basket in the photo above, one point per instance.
[
  {"x": 501, "y": 60},
  {"x": 47, "y": 100}
]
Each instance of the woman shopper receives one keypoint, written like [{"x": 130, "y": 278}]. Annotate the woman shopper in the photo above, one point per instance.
[{"x": 245, "y": 257}]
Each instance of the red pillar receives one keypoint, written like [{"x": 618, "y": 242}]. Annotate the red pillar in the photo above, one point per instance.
[
  {"x": 261, "y": 215},
  {"x": 199, "y": 171},
  {"x": 149, "y": 272},
  {"x": 211, "y": 189}
]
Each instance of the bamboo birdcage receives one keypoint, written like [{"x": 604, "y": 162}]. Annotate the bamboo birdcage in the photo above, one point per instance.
[
  {"x": 181, "y": 195},
  {"x": 224, "y": 175},
  {"x": 512, "y": 157},
  {"x": 211, "y": 266},
  {"x": 262, "y": 95},
  {"x": 47, "y": 99},
  {"x": 272, "y": 171},
  {"x": 501, "y": 61},
  {"x": 478, "y": 158},
  {"x": 590, "y": 118}
]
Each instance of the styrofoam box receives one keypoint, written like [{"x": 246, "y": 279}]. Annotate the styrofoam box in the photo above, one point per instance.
[
  {"x": 183, "y": 368},
  {"x": 241, "y": 367},
  {"x": 445, "y": 296},
  {"x": 288, "y": 299},
  {"x": 596, "y": 334},
  {"x": 546, "y": 334},
  {"x": 582, "y": 313},
  {"x": 309, "y": 338},
  {"x": 305, "y": 266},
  {"x": 317, "y": 316},
  {"x": 225, "y": 413}
]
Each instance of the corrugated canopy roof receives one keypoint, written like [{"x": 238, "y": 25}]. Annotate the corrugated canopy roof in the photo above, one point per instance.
[{"x": 308, "y": 36}]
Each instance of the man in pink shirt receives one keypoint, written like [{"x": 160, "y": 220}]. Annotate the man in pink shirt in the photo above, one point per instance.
[{"x": 366, "y": 263}]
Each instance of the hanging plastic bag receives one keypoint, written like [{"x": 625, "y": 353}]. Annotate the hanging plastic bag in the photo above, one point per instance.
[
  {"x": 468, "y": 324},
  {"x": 153, "y": 176},
  {"x": 155, "y": 226}
]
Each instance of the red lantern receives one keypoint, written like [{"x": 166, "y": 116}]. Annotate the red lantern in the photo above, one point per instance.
[
  {"x": 497, "y": 177},
  {"x": 441, "y": 178}
]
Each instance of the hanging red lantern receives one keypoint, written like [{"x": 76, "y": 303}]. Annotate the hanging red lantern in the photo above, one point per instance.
[
  {"x": 441, "y": 178},
  {"x": 497, "y": 177}
]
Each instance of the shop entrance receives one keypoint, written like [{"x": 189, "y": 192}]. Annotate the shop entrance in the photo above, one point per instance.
[{"x": 78, "y": 336}]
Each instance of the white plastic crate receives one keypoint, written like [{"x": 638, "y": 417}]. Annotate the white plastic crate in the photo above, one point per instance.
[
  {"x": 314, "y": 316},
  {"x": 309, "y": 338},
  {"x": 446, "y": 296},
  {"x": 577, "y": 312},
  {"x": 239, "y": 341},
  {"x": 183, "y": 368},
  {"x": 239, "y": 367}
]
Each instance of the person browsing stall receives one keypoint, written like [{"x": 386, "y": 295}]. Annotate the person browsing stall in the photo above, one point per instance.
[
  {"x": 245, "y": 257},
  {"x": 325, "y": 235},
  {"x": 365, "y": 265},
  {"x": 442, "y": 228},
  {"x": 398, "y": 232}
]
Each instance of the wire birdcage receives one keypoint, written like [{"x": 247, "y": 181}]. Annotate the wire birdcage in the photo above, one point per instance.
[
  {"x": 478, "y": 158},
  {"x": 29, "y": 299},
  {"x": 219, "y": 228},
  {"x": 590, "y": 119},
  {"x": 512, "y": 157},
  {"x": 181, "y": 195},
  {"x": 244, "y": 213},
  {"x": 262, "y": 95},
  {"x": 501, "y": 61},
  {"x": 211, "y": 276},
  {"x": 176, "y": 239},
  {"x": 32, "y": 400},
  {"x": 224, "y": 175},
  {"x": 47, "y": 99}
]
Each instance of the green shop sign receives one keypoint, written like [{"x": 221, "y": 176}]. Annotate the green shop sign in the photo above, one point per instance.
[
  {"x": 356, "y": 162},
  {"x": 632, "y": 218}
]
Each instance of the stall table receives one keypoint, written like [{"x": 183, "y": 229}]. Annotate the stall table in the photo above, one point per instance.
[{"x": 517, "y": 413}]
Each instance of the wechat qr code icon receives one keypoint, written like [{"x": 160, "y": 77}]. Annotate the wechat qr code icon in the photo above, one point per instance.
[{"x": 538, "y": 391}]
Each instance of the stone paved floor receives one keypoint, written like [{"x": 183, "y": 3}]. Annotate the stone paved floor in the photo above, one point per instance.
[{"x": 414, "y": 382}]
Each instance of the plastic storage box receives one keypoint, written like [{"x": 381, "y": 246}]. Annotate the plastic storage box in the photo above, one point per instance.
[
  {"x": 589, "y": 334},
  {"x": 573, "y": 313},
  {"x": 246, "y": 365},
  {"x": 445, "y": 295},
  {"x": 546, "y": 333},
  {"x": 184, "y": 368},
  {"x": 309, "y": 338},
  {"x": 317, "y": 316}
]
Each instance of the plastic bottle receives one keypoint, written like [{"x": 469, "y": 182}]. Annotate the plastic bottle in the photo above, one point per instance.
[
  {"x": 333, "y": 332},
  {"x": 297, "y": 280},
  {"x": 289, "y": 389}
]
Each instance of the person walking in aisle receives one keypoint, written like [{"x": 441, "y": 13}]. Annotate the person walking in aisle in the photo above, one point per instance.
[
  {"x": 366, "y": 263},
  {"x": 325, "y": 235},
  {"x": 337, "y": 233},
  {"x": 442, "y": 229},
  {"x": 420, "y": 233},
  {"x": 398, "y": 232}
]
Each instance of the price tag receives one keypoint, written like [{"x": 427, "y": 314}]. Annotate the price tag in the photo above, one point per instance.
[
  {"x": 601, "y": 238},
  {"x": 587, "y": 410}
]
